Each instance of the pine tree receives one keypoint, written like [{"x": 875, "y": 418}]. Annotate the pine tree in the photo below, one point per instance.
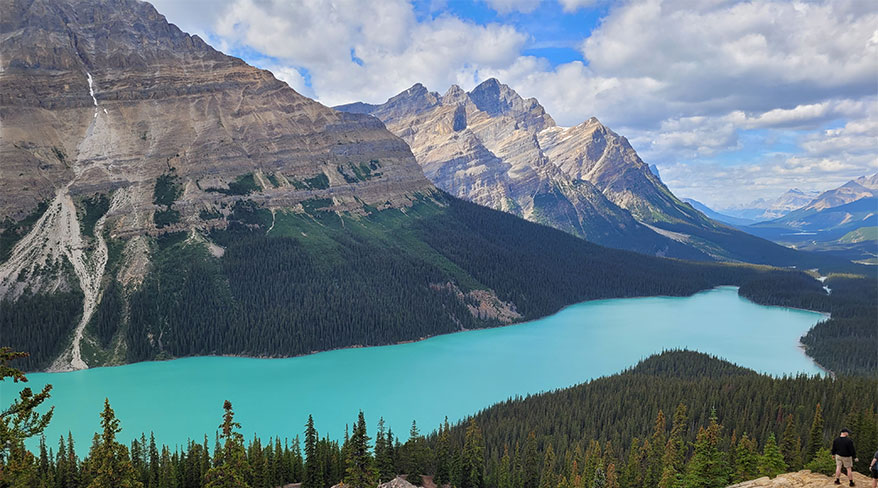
[
  {"x": 383, "y": 459},
  {"x": 153, "y": 481},
  {"x": 360, "y": 472},
  {"x": 599, "y": 480},
  {"x": 815, "y": 437},
  {"x": 233, "y": 469},
  {"x": 443, "y": 459},
  {"x": 655, "y": 464},
  {"x": 414, "y": 456},
  {"x": 674, "y": 459},
  {"x": 771, "y": 463},
  {"x": 549, "y": 479},
  {"x": 612, "y": 476},
  {"x": 504, "y": 470},
  {"x": 530, "y": 463},
  {"x": 113, "y": 468},
  {"x": 313, "y": 464},
  {"x": 790, "y": 444},
  {"x": 631, "y": 474},
  {"x": 707, "y": 467},
  {"x": 746, "y": 459},
  {"x": 20, "y": 420},
  {"x": 473, "y": 457},
  {"x": 593, "y": 458}
]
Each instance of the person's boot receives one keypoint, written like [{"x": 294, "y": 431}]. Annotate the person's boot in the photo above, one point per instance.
[
  {"x": 837, "y": 482},
  {"x": 851, "y": 483}
]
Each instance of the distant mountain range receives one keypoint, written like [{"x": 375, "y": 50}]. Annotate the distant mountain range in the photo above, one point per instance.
[
  {"x": 497, "y": 149},
  {"x": 718, "y": 216},
  {"x": 829, "y": 216},
  {"x": 762, "y": 209},
  {"x": 159, "y": 199}
]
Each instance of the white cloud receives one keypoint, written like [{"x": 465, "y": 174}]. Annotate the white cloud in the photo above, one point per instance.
[
  {"x": 574, "y": 5},
  {"x": 680, "y": 78},
  {"x": 354, "y": 51}
]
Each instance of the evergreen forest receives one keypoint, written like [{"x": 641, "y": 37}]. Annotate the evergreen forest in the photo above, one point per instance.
[{"x": 677, "y": 419}]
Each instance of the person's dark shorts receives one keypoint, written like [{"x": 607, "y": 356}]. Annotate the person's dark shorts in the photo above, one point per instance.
[{"x": 874, "y": 471}]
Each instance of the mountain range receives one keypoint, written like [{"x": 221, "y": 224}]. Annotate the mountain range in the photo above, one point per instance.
[
  {"x": 761, "y": 209},
  {"x": 495, "y": 148},
  {"x": 829, "y": 216},
  {"x": 161, "y": 199}
]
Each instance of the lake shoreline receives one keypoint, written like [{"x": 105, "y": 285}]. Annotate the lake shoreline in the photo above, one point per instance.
[{"x": 825, "y": 315}]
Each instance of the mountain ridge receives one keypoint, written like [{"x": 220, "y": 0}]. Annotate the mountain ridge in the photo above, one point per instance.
[{"x": 495, "y": 148}]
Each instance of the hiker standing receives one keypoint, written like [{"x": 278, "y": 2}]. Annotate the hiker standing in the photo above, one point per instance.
[
  {"x": 873, "y": 470},
  {"x": 844, "y": 453}
]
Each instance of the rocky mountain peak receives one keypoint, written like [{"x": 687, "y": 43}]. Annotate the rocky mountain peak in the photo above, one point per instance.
[{"x": 455, "y": 94}]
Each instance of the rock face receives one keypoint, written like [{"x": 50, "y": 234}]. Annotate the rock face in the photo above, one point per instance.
[
  {"x": 497, "y": 149},
  {"x": 118, "y": 125},
  {"x": 801, "y": 479},
  {"x": 862, "y": 187},
  {"x": 105, "y": 94}
]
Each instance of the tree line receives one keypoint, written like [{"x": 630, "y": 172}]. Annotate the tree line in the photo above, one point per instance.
[{"x": 724, "y": 424}]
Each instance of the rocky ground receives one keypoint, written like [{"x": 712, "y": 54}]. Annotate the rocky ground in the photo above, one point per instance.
[{"x": 802, "y": 479}]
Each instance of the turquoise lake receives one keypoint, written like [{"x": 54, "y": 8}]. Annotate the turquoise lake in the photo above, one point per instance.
[{"x": 454, "y": 375}]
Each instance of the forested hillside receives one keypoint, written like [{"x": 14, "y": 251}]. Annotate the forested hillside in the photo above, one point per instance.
[
  {"x": 847, "y": 341},
  {"x": 283, "y": 283},
  {"x": 678, "y": 419}
]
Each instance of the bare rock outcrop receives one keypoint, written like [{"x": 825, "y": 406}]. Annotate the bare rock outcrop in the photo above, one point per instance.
[
  {"x": 800, "y": 479},
  {"x": 495, "y": 148}
]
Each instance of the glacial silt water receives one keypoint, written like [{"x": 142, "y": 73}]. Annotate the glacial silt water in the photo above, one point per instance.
[{"x": 454, "y": 375}]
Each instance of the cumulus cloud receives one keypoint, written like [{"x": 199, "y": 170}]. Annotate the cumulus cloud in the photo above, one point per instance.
[
  {"x": 685, "y": 81},
  {"x": 354, "y": 51},
  {"x": 574, "y": 5}
]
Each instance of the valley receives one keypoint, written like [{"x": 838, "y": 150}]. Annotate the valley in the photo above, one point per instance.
[
  {"x": 190, "y": 236},
  {"x": 467, "y": 370}
]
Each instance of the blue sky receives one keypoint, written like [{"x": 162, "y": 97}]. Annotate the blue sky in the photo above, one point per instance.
[{"x": 733, "y": 101}]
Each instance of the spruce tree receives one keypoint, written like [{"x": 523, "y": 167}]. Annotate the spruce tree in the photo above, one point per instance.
[
  {"x": 20, "y": 420},
  {"x": 113, "y": 468},
  {"x": 153, "y": 481},
  {"x": 771, "y": 463},
  {"x": 612, "y": 476},
  {"x": 530, "y": 463},
  {"x": 790, "y": 444},
  {"x": 707, "y": 468},
  {"x": 674, "y": 459},
  {"x": 504, "y": 470},
  {"x": 360, "y": 473},
  {"x": 815, "y": 437},
  {"x": 414, "y": 456},
  {"x": 549, "y": 479},
  {"x": 599, "y": 480},
  {"x": 443, "y": 451},
  {"x": 473, "y": 457},
  {"x": 313, "y": 465},
  {"x": 655, "y": 463},
  {"x": 383, "y": 459},
  {"x": 233, "y": 468},
  {"x": 746, "y": 459}
]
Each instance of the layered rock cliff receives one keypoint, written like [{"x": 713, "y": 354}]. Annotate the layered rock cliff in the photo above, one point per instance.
[
  {"x": 119, "y": 126},
  {"x": 495, "y": 148}
]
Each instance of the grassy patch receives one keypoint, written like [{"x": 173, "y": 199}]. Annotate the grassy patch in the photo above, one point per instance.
[
  {"x": 243, "y": 185},
  {"x": 165, "y": 218},
  {"x": 354, "y": 172},
  {"x": 210, "y": 214},
  {"x": 167, "y": 189},
  {"x": 92, "y": 210}
]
